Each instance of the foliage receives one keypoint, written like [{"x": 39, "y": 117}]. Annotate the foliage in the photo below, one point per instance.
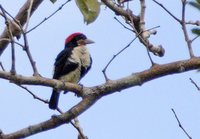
[
  {"x": 90, "y": 9},
  {"x": 195, "y": 4},
  {"x": 53, "y": 1}
]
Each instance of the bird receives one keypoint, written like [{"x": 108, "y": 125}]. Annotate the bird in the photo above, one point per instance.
[{"x": 71, "y": 64}]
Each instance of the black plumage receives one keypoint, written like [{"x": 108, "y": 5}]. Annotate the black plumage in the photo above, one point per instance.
[{"x": 71, "y": 64}]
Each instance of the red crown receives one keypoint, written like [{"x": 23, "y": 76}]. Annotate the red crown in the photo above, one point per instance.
[{"x": 70, "y": 37}]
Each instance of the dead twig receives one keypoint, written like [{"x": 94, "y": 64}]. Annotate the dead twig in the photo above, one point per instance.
[
  {"x": 28, "y": 15},
  {"x": 193, "y": 82},
  {"x": 171, "y": 14},
  {"x": 183, "y": 24},
  {"x": 21, "y": 18},
  {"x": 2, "y": 67},
  {"x": 123, "y": 24},
  {"x": 47, "y": 18},
  {"x": 75, "y": 124},
  {"x": 114, "y": 56},
  {"x": 180, "y": 125},
  {"x": 32, "y": 94},
  {"x": 26, "y": 44},
  {"x": 13, "y": 70},
  {"x": 185, "y": 32}
]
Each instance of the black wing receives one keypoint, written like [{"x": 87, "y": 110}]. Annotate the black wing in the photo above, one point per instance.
[
  {"x": 62, "y": 64},
  {"x": 85, "y": 70}
]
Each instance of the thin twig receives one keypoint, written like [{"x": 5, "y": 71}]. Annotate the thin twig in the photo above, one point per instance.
[
  {"x": 197, "y": 23},
  {"x": 142, "y": 26},
  {"x": 123, "y": 24},
  {"x": 46, "y": 18},
  {"x": 134, "y": 22},
  {"x": 195, "y": 38},
  {"x": 5, "y": 39},
  {"x": 193, "y": 82},
  {"x": 28, "y": 15},
  {"x": 76, "y": 124},
  {"x": 26, "y": 46},
  {"x": 15, "y": 22},
  {"x": 12, "y": 17},
  {"x": 183, "y": 24},
  {"x": 114, "y": 56},
  {"x": 142, "y": 14},
  {"x": 21, "y": 17},
  {"x": 150, "y": 58},
  {"x": 162, "y": 6},
  {"x": 13, "y": 71},
  {"x": 34, "y": 96},
  {"x": 2, "y": 67},
  {"x": 180, "y": 125}
]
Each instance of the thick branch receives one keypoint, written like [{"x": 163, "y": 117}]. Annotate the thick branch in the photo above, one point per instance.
[
  {"x": 154, "y": 72},
  {"x": 37, "y": 80},
  {"x": 22, "y": 18},
  {"x": 54, "y": 122},
  {"x": 139, "y": 78},
  {"x": 92, "y": 94},
  {"x": 119, "y": 11}
]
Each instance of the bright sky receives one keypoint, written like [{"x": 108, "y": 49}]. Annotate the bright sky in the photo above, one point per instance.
[{"x": 139, "y": 112}]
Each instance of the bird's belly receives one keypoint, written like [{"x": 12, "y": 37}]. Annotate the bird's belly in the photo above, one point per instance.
[{"x": 73, "y": 76}]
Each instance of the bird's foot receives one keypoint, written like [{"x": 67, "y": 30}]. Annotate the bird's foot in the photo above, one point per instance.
[{"x": 81, "y": 85}]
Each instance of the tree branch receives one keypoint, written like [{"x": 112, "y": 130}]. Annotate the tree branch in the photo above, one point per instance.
[
  {"x": 54, "y": 122},
  {"x": 135, "y": 22},
  {"x": 93, "y": 94},
  {"x": 139, "y": 78},
  {"x": 195, "y": 84},
  {"x": 119, "y": 11},
  {"x": 13, "y": 71},
  {"x": 182, "y": 23},
  {"x": 46, "y": 18},
  {"x": 22, "y": 18},
  {"x": 171, "y": 14},
  {"x": 180, "y": 125},
  {"x": 185, "y": 32},
  {"x": 37, "y": 80}
]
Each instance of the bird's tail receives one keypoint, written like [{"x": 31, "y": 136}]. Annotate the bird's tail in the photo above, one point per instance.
[{"x": 53, "y": 103}]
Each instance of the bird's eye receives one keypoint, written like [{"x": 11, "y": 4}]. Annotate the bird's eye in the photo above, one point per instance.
[{"x": 81, "y": 42}]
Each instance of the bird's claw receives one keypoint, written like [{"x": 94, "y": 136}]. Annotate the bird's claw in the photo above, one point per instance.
[{"x": 81, "y": 85}]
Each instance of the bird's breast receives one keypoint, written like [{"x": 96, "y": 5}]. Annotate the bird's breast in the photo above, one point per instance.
[{"x": 81, "y": 55}]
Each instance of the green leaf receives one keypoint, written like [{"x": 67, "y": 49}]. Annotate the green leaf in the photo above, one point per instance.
[
  {"x": 90, "y": 9},
  {"x": 195, "y": 4},
  {"x": 53, "y": 1},
  {"x": 198, "y": 1},
  {"x": 196, "y": 31}
]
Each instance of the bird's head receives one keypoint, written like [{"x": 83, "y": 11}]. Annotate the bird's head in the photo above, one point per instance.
[{"x": 77, "y": 39}]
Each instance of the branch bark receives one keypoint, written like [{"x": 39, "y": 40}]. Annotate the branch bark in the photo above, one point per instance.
[
  {"x": 138, "y": 26},
  {"x": 22, "y": 18},
  {"x": 92, "y": 94}
]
